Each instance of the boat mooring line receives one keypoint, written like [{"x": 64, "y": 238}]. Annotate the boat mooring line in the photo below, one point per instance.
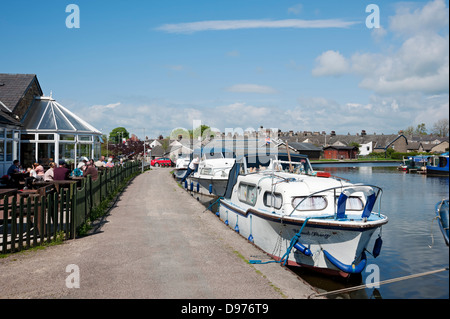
[{"x": 378, "y": 283}]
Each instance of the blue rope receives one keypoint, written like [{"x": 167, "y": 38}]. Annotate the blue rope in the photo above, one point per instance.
[
  {"x": 213, "y": 204},
  {"x": 285, "y": 257}
]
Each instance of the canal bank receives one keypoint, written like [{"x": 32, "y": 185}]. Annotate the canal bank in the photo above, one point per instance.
[{"x": 157, "y": 242}]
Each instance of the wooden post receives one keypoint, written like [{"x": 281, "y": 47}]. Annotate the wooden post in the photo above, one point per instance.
[{"x": 289, "y": 157}]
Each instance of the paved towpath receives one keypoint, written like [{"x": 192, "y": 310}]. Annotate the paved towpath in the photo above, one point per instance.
[{"x": 157, "y": 242}]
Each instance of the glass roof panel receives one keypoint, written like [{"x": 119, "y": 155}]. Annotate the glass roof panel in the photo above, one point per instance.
[
  {"x": 33, "y": 117},
  {"x": 77, "y": 124},
  {"x": 61, "y": 121},
  {"x": 48, "y": 120}
]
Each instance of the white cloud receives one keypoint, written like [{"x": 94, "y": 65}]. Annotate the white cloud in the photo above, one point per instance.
[
  {"x": 419, "y": 64},
  {"x": 175, "y": 67},
  {"x": 432, "y": 17},
  {"x": 233, "y": 53},
  {"x": 107, "y": 106},
  {"x": 330, "y": 63},
  {"x": 296, "y": 9},
  {"x": 192, "y": 27},
  {"x": 251, "y": 88}
]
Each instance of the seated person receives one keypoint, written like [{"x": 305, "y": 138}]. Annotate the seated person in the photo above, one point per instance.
[
  {"x": 61, "y": 172},
  {"x": 13, "y": 177},
  {"x": 39, "y": 171},
  {"x": 91, "y": 170},
  {"x": 48, "y": 176},
  {"x": 31, "y": 177},
  {"x": 101, "y": 162},
  {"x": 14, "y": 168}
]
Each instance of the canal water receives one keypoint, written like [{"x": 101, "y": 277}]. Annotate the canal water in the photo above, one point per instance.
[{"x": 412, "y": 241}]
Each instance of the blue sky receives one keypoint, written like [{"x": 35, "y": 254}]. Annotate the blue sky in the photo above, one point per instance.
[{"x": 289, "y": 65}]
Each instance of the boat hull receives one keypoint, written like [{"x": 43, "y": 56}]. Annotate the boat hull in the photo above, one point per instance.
[
  {"x": 437, "y": 171},
  {"x": 179, "y": 173},
  {"x": 216, "y": 186},
  {"x": 326, "y": 241},
  {"x": 442, "y": 214}
]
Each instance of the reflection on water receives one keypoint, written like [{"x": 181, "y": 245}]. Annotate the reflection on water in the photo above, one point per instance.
[{"x": 409, "y": 201}]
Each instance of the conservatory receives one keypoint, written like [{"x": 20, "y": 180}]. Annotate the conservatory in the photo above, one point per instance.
[{"x": 52, "y": 133}]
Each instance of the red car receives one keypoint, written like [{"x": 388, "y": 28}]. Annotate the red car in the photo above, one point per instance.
[{"x": 162, "y": 161}]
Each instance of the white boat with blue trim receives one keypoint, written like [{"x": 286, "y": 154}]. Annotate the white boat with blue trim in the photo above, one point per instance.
[
  {"x": 303, "y": 218},
  {"x": 212, "y": 172}
]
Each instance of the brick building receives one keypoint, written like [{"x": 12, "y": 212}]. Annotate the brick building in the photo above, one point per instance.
[{"x": 340, "y": 152}]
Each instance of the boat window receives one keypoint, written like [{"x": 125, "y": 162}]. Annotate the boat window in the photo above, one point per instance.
[
  {"x": 274, "y": 200},
  {"x": 353, "y": 203},
  {"x": 310, "y": 203},
  {"x": 247, "y": 193},
  {"x": 213, "y": 155},
  {"x": 206, "y": 171}
]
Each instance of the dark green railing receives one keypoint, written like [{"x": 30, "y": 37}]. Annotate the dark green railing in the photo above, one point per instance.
[{"x": 45, "y": 217}]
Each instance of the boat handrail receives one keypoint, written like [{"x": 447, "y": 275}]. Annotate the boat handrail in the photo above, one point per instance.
[{"x": 342, "y": 187}]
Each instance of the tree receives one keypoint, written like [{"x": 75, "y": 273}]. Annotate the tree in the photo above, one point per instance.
[
  {"x": 118, "y": 134},
  {"x": 421, "y": 129},
  {"x": 203, "y": 131},
  {"x": 355, "y": 144},
  {"x": 440, "y": 128},
  {"x": 129, "y": 149},
  {"x": 409, "y": 130},
  {"x": 105, "y": 147}
]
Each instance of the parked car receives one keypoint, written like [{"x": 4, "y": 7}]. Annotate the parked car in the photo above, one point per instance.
[{"x": 162, "y": 161}]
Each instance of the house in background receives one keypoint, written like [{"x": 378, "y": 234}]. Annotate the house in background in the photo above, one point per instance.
[
  {"x": 313, "y": 152},
  {"x": 365, "y": 149},
  {"x": 440, "y": 148}
]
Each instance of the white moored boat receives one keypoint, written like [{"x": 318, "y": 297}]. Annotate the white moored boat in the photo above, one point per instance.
[
  {"x": 212, "y": 172},
  {"x": 181, "y": 166},
  {"x": 301, "y": 217}
]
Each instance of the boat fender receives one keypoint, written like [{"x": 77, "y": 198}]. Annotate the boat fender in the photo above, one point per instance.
[
  {"x": 192, "y": 186},
  {"x": 303, "y": 249},
  {"x": 185, "y": 184},
  {"x": 198, "y": 187},
  {"x": 210, "y": 188},
  {"x": 377, "y": 247},
  {"x": 250, "y": 238},
  {"x": 351, "y": 269},
  {"x": 236, "y": 228}
]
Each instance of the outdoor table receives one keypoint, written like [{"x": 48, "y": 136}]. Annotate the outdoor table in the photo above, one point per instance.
[
  {"x": 16, "y": 178},
  {"x": 63, "y": 183},
  {"x": 37, "y": 184}
]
